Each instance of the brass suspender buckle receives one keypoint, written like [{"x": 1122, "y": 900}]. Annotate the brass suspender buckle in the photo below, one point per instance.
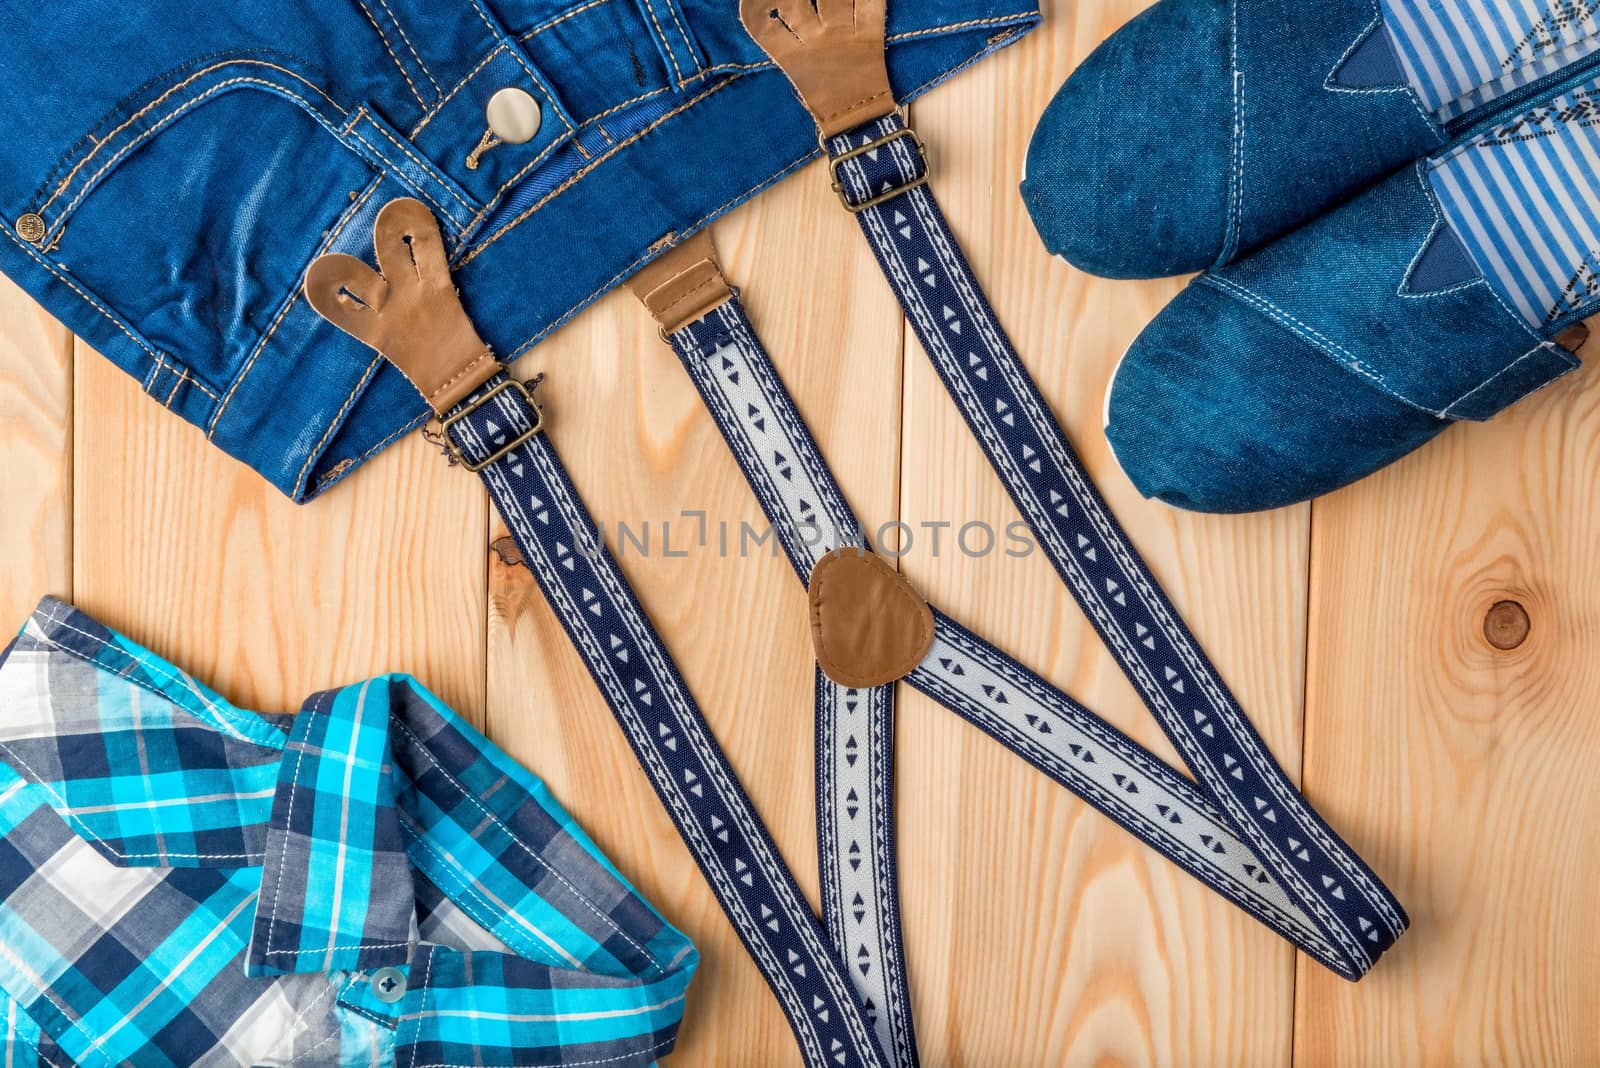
[
  {"x": 454, "y": 450},
  {"x": 871, "y": 146}
]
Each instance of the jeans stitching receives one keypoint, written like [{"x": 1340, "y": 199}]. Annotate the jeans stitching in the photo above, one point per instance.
[
  {"x": 93, "y": 302},
  {"x": 178, "y": 380},
  {"x": 533, "y": 76},
  {"x": 405, "y": 38},
  {"x": 294, "y": 298},
  {"x": 345, "y": 466},
  {"x": 167, "y": 119},
  {"x": 427, "y": 169},
  {"x": 415, "y": 186},
  {"x": 557, "y": 19},
  {"x": 671, "y": 52},
  {"x": 584, "y": 171},
  {"x": 338, "y": 418},
  {"x": 494, "y": 198},
  {"x": 723, "y": 67},
  {"x": 387, "y": 47},
  {"x": 462, "y": 84},
  {"x": 131, "y": 119},
  {"x": 683, "y": 36}
]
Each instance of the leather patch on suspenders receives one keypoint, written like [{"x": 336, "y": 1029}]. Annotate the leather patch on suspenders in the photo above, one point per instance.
[
  {"x": 832, "y": 53},
  {"x": 868, "y": 626},
  {"x": 408, "y": 309},
  {"x": 682, "y": 284}
]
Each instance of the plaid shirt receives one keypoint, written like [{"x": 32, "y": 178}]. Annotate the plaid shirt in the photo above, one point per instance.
[{"x": 367, "y": 882}]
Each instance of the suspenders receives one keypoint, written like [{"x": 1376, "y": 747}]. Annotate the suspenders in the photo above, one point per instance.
[
  {"x": 1239, "y": 826},
  {"x": 638, "y": 679}
]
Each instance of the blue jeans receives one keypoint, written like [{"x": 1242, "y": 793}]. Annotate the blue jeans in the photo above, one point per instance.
[{"x": 168, "y": 170}]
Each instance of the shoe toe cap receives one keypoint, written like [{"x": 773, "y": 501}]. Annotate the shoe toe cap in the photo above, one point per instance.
[
  {"x": 1216, "y": 408},
  {"x": 1128, "y": 173}
]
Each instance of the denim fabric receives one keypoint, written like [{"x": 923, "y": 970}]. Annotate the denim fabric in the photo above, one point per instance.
[
  {"x": 164, "y": 191},
  {"x": 1319, "y": 359},
  {"x": 1205, "y": 128}
]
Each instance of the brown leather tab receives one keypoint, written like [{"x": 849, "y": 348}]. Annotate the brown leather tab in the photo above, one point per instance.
[
  {"x": 682, "y": 284},
  {"x": 832, "y": 53},
  {"x": 868, "y": 626},
  {"x": 408, "y": 309}
]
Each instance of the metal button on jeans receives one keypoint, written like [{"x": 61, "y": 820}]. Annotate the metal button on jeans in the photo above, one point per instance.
[
  {"x": 514, "y": 115},
  {"x": 388, "y": 985},
  {"x": 31, "y": 228}
]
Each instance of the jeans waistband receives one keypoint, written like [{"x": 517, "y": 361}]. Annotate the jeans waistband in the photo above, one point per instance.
[{"x": 172, "y": 217}]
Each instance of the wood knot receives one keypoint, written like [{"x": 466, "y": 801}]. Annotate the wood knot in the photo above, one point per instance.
[
  {"x": 1506, "y": 625},
  {"x": 507, "y": 551}
]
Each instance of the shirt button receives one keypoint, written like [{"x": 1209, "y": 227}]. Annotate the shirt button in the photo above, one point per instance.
[
  {"x": 514, "y": 115},
  {"x": 388, "y": 985}
]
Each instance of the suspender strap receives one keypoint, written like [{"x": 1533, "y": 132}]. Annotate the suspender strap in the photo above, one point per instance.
[
  {"x": 670, "y": 737},
  {"x": 492, "y": 426},
  {"x": 1049, "y": 730},
  {"x": 881, "y": 172},
  {"x": 854, "y": 725}
]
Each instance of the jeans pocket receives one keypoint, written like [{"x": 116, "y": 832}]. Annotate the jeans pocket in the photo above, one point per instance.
[{"x": 191, "y": 210}]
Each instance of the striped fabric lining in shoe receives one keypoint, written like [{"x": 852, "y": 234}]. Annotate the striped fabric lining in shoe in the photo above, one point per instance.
[
  {"x": 1460, "y": 54},
  {"x": 1522, "y": 197}
]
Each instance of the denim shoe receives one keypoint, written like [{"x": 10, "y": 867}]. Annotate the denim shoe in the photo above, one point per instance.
[
  {"x": 1436, "y": 296},
  {"x": 1205, "y": 128}
]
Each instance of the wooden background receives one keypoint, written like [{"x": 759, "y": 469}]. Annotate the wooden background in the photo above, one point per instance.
[{"x": 1038, "y": 932}]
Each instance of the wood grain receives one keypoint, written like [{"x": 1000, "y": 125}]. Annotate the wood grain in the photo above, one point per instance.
[
  {"x": 35, "y": 455},
  {"x": 1038, "y": 932},
  {"x": 643, "y": 450},
  {"x": 1041, "y": 933},
  {"x": 192, "y": 554},
  {"x": 1466, "y": 773}
]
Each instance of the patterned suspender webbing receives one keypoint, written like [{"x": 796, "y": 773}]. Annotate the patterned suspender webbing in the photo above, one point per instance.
[
  {"x": 409, "y": 310},
  {"x": 636, "y": 675},
  {"x": 785, "y": 468},
  {"x": 832, "y": 52},
  {"x": 882, "y": 176}
]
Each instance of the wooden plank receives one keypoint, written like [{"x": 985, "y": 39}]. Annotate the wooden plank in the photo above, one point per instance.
[
  {"x": 1041, "y": 933},
  {"x": 35, "y": 455},
  {"x": 195, "y": 556},
  {"x": 642, "y": 449},
  {"x": 1464, "y": 771}
]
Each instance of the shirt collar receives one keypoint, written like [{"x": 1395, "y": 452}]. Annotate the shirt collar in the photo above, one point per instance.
[{"x": 336, "y": 886}]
